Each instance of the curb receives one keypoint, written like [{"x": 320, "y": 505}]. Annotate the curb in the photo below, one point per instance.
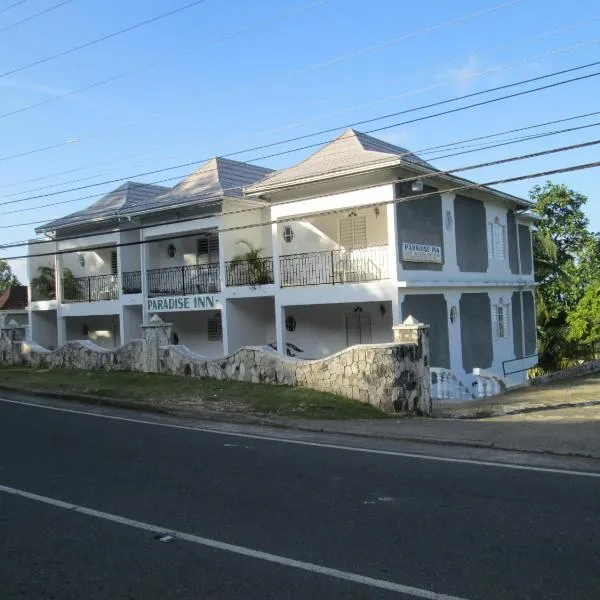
[
  {"x": 285, "y": 424},
  {"x": 498, "y": 412}
]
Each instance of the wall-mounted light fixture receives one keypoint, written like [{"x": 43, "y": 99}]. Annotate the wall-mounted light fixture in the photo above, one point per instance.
[
  {"x": 171, "y": 250},
  {"x": 82, "y": 260},
  {"x": 453, "y": 315},
  {"x": 382, "y": 309},
  {"x": 376, "y": 211},
  {"x": 417, "y": 185}
]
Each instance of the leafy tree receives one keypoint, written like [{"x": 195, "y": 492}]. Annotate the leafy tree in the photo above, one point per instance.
[
  {"x": 584, "y": 321},
  {"x": 7, "y": 277},
  {"x": 567, "y": 262}
]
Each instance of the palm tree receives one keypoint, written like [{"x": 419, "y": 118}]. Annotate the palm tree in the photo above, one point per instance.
[{"x": 251, "y": 265}]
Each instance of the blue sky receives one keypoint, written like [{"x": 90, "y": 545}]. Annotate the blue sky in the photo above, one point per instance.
[{"x": 329, "y": 64}]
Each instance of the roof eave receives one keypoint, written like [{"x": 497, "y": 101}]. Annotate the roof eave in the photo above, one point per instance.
[{"x": 257, "y": 190}]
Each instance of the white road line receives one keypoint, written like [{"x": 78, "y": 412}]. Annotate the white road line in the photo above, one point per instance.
[
  {"x": 281, "y": 440},
  {"x": 233, "y": 548}
]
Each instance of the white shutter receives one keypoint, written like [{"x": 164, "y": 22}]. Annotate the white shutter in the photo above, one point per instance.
[
  {"x": 353, "y": 232},
  {"x": 346, "y": 233}
]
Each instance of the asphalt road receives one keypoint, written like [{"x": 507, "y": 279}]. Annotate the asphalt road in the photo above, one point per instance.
[{"x": 253, "y": 517}]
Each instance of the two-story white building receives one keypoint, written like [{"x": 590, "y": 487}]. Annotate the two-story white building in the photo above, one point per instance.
[{"x": 328, "y": 253}]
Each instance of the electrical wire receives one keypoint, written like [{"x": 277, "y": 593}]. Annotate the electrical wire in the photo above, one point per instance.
[
  {"x": 141, "y": 68},
  {"x": 278, "y": 78},
  {"x": 357, "y": 123},
  {"x": 188, "y": 140},
  {"x": 470, "y": 186},
  {"x": 103, "y": 38},
  {"x": 431, "y": 174},
  {"x": 12, "y": 5},
  {"x": 34, "y": 16}
]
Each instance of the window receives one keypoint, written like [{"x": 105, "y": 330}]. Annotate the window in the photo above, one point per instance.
[
  {"x": 207, "y": 249},
  {"x": 358, "y": 328},
  {"x": 500, "y": 318},
  {"x": 114, "y": 263},
  {"x": 353, "y": 233},
  {"x": 215, "y": 328},
  {"x": 497, "y": 235},
  {"x": 288, "y": 233}
]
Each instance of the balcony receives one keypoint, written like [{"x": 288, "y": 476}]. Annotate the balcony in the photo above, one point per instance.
[
  {"x": 132, "y": 282},
  {"x": 334, "y": 267},
  {"x": 253, "y": 271},
  {"x": 90, "y": 289},
  {"x": 183, "y": 281}
]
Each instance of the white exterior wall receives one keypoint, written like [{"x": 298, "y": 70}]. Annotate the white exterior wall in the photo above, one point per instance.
[
  {"x": 250, "y": 323},
  {"x": 96, "y": 262},
  {"x": 131, "y": 321},
  {"x": 192, "y": 330},
  {"x": 259, "y": 236},
  {"x": 321, "y": 330},
  {"x": 102, "y": 330},
  {"x": 43, "y": 327},
  {"x": 185, "y": 252},
  {"x": 322, "y": 233},
  {"x": 130, "y": 255}
]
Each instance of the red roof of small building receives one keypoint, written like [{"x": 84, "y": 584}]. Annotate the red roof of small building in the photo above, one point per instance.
[{"x": 14, "y": 298}]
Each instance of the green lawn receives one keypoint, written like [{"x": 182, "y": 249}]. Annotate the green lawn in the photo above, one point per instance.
[{"x": 209, "y": 395}]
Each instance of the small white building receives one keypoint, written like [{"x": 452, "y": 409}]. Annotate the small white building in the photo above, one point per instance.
[{"x": 328, "y": 253}]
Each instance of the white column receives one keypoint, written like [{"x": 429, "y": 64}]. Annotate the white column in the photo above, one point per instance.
[
  {"x": 275, "y": 247},
  {"x": 392, "y": 239},
  {"x": 58, "y": 275},
  {"x": 119, "y": 272},
  {"x": 454, "y": 336},
  {"x": 222, "y": 267},
  {"x": 225, "y": 327},
  {"x": 61, "y": 331},
  {"x": 280, "y": 327},
  {"x": 449, "y": 234},
  {"x": 144, "y": 275}
]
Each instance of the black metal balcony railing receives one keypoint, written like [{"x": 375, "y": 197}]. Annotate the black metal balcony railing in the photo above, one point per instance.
[
  {"x": 182, "y": 281},
  {"x": 42, "y": 293},
  {"x": 90, "y": 289},
  {"x": 334, "y": 266},
  {"x": 132, "y": 282},
  {"x": 257, "y": 271}
]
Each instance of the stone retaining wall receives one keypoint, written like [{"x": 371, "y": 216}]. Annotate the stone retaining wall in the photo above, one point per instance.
[{"x": 392, "y": 377}]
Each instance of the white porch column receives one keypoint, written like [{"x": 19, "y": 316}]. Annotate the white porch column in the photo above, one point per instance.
[
  {"x": 275, "y": 248},
  {"x": 393, "y": 260},
  {"x": 280, "y": 327},
  {"x": 222, "y": 268},
  {"x": 224, "y": 327},
  {"x": 454, "y": 336},
  {"x": 449, "y": 237},
  {"x": 61, "y": 331},
  {"x": 144, "y": 275},
  {"x": 58, "y": 276}
]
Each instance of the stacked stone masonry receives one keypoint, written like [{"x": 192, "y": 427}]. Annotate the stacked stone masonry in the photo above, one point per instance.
[{"x": 392, "y": 377}]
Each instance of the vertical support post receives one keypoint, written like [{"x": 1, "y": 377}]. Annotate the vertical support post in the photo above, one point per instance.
[
  {"x": 144, "y": 276},
  {"x": 58, "y": 276},
  {"x": 183, "y": 280},
  {"x": 61, "y": 330},
  {"x": 275, "y": 250},
  {"x": 280, "y": 327},
  {"x": 393, "y": 254},
  {"x": 331, "y": 255}
]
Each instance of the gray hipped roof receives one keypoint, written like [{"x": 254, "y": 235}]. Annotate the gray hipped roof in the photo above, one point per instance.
[
  {"x": 349, "y": 152},
  {"x": 128, "y": 197},
  {"x": 215, "y": 179}
]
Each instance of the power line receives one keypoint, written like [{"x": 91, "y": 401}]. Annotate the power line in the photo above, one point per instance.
[
  {"x": 470, "y": 186},
  {"x": 13, "y": 5},
  {"x": 306, "y": 7},
  {"x": 430, "y": 174},
  {"x": 497, "y": 145},
  {"x": 272, "y": 80},
  {"x": 101, "y": 39},
  {"x": 31, "y": 17},
  {"x": 161, "y": 61},
  {"x": 335, "y": 129}
]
